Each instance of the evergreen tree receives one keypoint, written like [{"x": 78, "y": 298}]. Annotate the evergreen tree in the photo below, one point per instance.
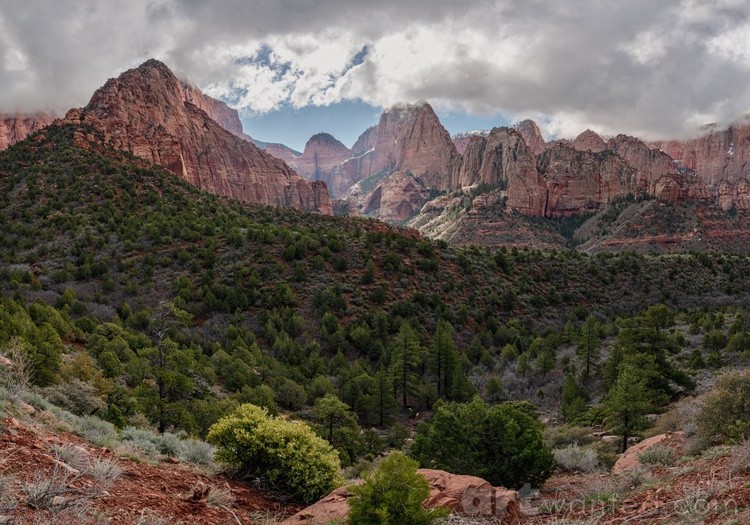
[
  {"x": 405, "y": 360},
  {"x": 337, "y": 424},
  {"x": 382, "y": 402},
  {"x": 574, "y": 398},
  {"x": 626, "y": 404},
  {"x": 444, "y": 359},
  {"x": 587, "y": 344}
]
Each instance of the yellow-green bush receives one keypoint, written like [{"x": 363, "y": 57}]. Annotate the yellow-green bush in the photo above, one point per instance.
[{"x": 286, "y": 453}]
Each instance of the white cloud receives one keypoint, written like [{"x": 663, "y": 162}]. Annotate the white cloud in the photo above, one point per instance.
[{"x": 645, "y": 67}]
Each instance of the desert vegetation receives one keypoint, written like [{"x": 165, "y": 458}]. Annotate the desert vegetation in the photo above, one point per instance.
[{"x": 151, "y": 316}]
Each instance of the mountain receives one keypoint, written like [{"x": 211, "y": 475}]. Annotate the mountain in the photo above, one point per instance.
[
  {"x": 152, "y": 114},
  {"x": 15, "y": 127},
  {"x": 721, "y": 158},
  {"x": 461, "y": 140},
  {"x": 408, "y": 150},
  {"x": 321, "y": 160}
]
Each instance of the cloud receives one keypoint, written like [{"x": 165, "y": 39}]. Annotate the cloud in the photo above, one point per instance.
[{"x": 650, "y": 68}]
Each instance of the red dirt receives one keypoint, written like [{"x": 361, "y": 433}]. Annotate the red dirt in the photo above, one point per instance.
[
  {"x": 702, "y": 491},
  {"x": 171, "y": 490}
]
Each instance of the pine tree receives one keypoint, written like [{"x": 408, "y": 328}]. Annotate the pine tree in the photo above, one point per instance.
[
  {"x": 382, "y": 401},
  {"x": 444, "y": 359},
  {"x": 405, "y": 360},
  {"x": 587, "y": 344},
  {"x": 574, "y": 398},
  {"x": 627, "y": 403}
]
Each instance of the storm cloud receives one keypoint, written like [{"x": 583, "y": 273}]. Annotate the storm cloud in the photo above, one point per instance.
[{"x": 655, "y": 69}]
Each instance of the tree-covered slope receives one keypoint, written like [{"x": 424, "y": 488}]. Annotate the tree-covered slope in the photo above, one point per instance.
[{"x": 188, "y": 303}]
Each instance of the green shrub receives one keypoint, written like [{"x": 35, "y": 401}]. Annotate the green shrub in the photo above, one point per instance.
[
  {"x": 657, "y": 456},
  {"x": 575, "y": 458},
  {"x": 725, "y": 415},
  {"x": 502, "y": 444},
  {"x": 286, "y": 453},
  {"x": 393, "y": 495}
]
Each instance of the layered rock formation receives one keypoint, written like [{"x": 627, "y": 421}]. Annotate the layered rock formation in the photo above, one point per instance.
[
  {"x": 463, "y": 495},
  {"x": 721, "y": 158},
  {"x": 461, "y": 140},
  {"x": 408, "y": 138},
  {"x": 322, "y": 160},
  {"x": 149, "y": 112},
  {"x": 393, "y": 166},
  {"x": 395, "y": 198},
  {"x": 569, "y": 178},
  {"x": 218, "y": 111},
  {"x": 589, "y": 141},
  {"x": 15, "y": 127},
  {"x": 532, "y": 135}
]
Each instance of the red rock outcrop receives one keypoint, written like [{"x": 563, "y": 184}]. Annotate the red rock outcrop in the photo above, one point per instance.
[
  {"x": 218, "y": 111},
  {"x": 395, "y": 198},
  {"x": 580, "y": 181},
  {"x": 531, "y": 135},
  {"x": 15, "y": 127},
  {"x": 589, "y": 141},
  {"x": 630, "y": 458},
  {"x": 146, "y": 111},
  {"x": 461, "y": 141},
  {"x": 322, "y": 160},
  {"x": 660, "y": 175},
  {"x": 407, "y": 138},
  {"x": 464, "y": 495},
  {"x": 280, "y": 151},
  {"x": 503, "y": 157},
  {"x": 721, "y": 158}
]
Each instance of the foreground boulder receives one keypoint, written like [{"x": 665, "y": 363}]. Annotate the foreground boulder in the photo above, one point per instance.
[
  {"x": 629, "y": 459},
  {"x": 464, "y": 495}
]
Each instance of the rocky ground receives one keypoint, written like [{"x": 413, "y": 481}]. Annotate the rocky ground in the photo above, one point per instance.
[{"x": 48, "y": 477}]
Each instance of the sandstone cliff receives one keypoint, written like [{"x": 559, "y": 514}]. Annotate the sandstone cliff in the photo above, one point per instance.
[
  {"x": 408, "y": 137},
  {"x": 589, "y": 141},
  {"x": 148, "y": 112},
  {"x": 322, "y": 160},
  {"x": 218, "y": 111},
  {"x": 15, "y": 127},
  {"x": 721, "y": 158},
  {"x": 531, "y": 135}
]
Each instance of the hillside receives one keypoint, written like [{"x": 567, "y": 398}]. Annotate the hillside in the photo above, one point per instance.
[{"x": 109, "y": 263}]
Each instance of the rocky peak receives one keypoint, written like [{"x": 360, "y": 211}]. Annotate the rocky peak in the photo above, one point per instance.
[
  {"x": 322, "y": 160},
  {"x": 589, "y": 141},
  {"x": 531, "y": 135},
  {"x": 146, "y": 111},
  {"x": 326, "y": 140},
  {"x": 461, "y": 140},
  {"x": 226, "y": 117},
  {"x": 409, "y": 138},
  {"x": 720, "y": 157},
  {"x": 15, "y": 127}
]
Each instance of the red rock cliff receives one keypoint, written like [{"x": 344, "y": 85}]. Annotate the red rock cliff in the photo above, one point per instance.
[
  {"x": 15, "y": 127},
  {"x": 147, "y": 111},
  {"x": 721, "y": 158},
  {"x": 408, "y": 138}
]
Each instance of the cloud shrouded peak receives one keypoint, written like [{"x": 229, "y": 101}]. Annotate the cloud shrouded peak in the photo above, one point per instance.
[{"x": 650, "y": 68}]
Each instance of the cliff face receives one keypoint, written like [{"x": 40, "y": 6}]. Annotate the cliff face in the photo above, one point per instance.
[
  {"x": 321, "y": 160},
  {"x": 408, "y": 138},
  {"x": 15, "y": 127},
  {"x": 589, "y": 141},
  {"x": 721, "y": 158},
  {"x": 218, "y": 111},
  {"x": 503, "y": 158},
  {"x": 149, "y": 112},
  {"x": 569, "y": 178},
  {"x": 531, "y": 135}
]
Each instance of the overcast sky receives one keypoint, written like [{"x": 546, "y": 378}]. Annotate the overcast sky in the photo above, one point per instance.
[{"x": 654, "y": 68}]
